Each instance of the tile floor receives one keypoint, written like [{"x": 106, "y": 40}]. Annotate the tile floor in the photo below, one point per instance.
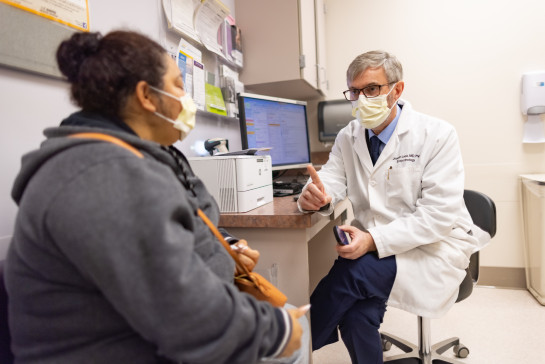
[{"x": 499, "y": 326}]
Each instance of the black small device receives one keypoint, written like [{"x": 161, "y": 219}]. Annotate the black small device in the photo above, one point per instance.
[
  {"x": 342, "y": 238},
  {"x": 281, "y": 189}
]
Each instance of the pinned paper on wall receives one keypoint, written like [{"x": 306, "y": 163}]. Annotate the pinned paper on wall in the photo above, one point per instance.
[
  {"x": 229, "y": 36},
  {"x": 198, "y": 20},
  {"x": 185, "y": 64},
  {"x": 214, "y": 100},
  {"x": 208, "y": 18},
  {"x": 189, "y": 59},
  {"x": 194, "y": 56},
  {"x": 74, "y": 13},
  {"x": 199, "y": 93},
  {"x": 230, "y": 87},
  {"x": 179, "y": 14}
]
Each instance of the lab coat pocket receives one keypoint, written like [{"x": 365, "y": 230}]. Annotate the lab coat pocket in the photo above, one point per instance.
[{"x": 403, "y": 186}]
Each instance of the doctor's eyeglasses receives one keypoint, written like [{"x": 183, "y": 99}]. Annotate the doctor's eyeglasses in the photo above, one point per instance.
[{"x": 369, "y": 91}]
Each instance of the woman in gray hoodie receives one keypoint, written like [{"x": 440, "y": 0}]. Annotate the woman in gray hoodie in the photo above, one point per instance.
[{"x": 109, "y": 262}]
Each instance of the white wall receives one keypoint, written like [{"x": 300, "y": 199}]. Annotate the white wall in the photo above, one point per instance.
[
  {"x": 463, "y": 62},
  {"x": 29, "y": 102}
]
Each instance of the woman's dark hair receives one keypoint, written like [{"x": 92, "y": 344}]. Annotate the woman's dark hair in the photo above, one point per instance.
[{"x": 104, "y": 71}]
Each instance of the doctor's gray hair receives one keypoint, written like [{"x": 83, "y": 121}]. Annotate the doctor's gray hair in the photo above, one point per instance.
[{"x": 375, "y": 59}]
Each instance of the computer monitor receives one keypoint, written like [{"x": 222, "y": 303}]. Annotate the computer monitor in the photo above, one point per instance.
[
  {"x": 276, "y": 123},
  {"x": 333, "y": 115}
]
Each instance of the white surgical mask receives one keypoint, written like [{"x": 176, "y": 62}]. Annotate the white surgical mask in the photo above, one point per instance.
[
  {"x": 372, "y": 112},
  {"x": 185, "y": 122}
]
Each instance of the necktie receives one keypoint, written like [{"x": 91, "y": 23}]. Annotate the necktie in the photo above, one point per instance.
[{"x": 375, "y": 148}]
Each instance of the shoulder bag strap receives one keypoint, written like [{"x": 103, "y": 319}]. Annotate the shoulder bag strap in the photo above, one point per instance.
[
  {"x": 227, "y": 247},
  {"x": 111, "y": 139}
]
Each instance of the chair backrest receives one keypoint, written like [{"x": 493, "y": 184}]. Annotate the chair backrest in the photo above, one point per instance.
[
  {"x": 482, "y": 210},
  {"x": 483, "y": 213},
  {"x": 6, "y": 357}
]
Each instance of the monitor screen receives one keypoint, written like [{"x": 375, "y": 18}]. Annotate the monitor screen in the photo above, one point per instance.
[{"x": 276, "y": 123}]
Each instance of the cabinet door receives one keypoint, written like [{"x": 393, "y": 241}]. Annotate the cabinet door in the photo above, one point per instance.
[
  {"x": 270, "y": 40},
  {"x": 321, "y": 61},
  {"x": 279, "y": 47},
  {"x": 307, "y": 42}
]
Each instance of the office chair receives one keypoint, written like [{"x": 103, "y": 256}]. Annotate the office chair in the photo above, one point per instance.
[
  {"x": 483, "y": 212},
  {"x": 6, "y": 357}
]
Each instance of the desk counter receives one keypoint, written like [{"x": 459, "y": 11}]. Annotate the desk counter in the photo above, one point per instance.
[
  {"x": 296, "y": 249},
  {"x": 281, "y": 213}
]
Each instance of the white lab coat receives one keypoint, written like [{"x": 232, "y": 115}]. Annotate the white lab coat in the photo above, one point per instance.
[{"x": 412, "y": 203}]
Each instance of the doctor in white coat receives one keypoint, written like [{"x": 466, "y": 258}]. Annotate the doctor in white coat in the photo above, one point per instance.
[{"x": 412, "y": 235}]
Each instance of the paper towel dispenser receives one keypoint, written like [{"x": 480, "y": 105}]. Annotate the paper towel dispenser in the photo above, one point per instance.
[
  {"x": 532, "y": 103},
  {"x": 532, "y": 98},
  {"x": 333, "y": 115}
]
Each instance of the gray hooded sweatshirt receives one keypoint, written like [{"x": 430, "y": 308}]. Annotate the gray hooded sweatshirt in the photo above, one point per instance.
[{"x": 109, "y": 262}]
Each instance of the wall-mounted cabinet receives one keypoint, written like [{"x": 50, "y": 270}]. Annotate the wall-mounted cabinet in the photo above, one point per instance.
[
  {"x": 321, "y": 55},
  {"x": 283, "y": 46}
]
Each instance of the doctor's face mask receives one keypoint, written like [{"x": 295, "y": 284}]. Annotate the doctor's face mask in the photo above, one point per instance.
[
  {"x": 371, "y": 112},
  {"x": 185, "y": 122}
]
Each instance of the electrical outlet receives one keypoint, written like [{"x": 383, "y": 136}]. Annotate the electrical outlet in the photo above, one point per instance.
[{"x": 172, "y": 51}]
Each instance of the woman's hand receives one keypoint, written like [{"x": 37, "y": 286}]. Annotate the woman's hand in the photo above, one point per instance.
[
  {"x": 247, "y": 255},
  {"x": 361, "y": 243},
  {"x": 294, "y": 342}
]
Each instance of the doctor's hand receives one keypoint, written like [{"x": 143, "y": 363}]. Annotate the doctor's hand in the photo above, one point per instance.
[
  {"x": 361, "y": 244},
  {"x": 248, "y": 256},
  {"x": 314, "y": 196}
]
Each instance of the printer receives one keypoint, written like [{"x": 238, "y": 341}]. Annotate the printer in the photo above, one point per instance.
[{"x": 239, "y": 183}]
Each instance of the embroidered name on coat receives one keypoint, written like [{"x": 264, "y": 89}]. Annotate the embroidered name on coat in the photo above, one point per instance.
[{"x": 407, "y": 158}]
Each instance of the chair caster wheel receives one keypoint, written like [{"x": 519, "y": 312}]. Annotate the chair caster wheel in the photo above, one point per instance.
[
  {"x": 386, "y": 345},
  {"x": 461, "y": 351}
]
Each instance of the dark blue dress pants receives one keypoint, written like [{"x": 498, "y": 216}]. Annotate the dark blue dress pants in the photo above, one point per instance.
[{"x": 352, "y": 297}]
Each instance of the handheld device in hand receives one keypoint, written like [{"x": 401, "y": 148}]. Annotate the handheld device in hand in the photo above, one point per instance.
[{"x": 342, "y": 238}]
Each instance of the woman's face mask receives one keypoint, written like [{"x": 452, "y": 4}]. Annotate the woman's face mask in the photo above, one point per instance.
[
  {"x": 185, "y": 122},
  {"x": 372, "y": 112}
]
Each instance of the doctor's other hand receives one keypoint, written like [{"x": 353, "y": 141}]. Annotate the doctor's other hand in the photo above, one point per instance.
[
  {"x": 294, "y": 342},
  {"x": 248, "y": 256},
  {"x": 314, "y": 196},
  {"x": 361, "y": 243}
]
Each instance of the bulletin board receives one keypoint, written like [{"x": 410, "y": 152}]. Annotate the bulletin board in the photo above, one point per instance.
[{"x": 29, "y": 42}]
